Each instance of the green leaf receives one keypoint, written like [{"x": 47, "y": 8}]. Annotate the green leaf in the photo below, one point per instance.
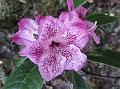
[
  {"x": 77, "y": 80},
  {"x": 106, "y": 56},
  {"x": 25, "y": 76},
  {"x": 101, "y": 18},
  {"x": 79, "y": 2}
]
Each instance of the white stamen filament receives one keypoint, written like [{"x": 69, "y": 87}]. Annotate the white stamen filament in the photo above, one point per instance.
[{"x": 93, "y": 26}]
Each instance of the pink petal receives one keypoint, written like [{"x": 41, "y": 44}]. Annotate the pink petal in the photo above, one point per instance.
[
  {"x": 78, "y": 37},
  {"x": 72, "y": 19},
  {"x": 81, "y": 11},
  {"x": 75, "y": 59},
  {"x": 33, "y": 51},
  {"x": 28, "y": 24},
  {"x": 77, "y": 34},
  {"x": 28, "y": 28},
  {"x": 63, "y": 16},
  {"x": 40, "y": 19},
  {"x": 53, "y": 29},
  {"x": 70, "y": 5},
  {"x": 51, "y": 65},
  {"x": 69, "y": 17},
  {"x": 22, "y": 37}
]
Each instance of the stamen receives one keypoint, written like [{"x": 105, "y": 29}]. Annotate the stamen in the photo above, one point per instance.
[{"x": 93, "y": 26}]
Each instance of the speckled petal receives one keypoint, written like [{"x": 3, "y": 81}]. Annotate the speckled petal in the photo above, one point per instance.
[
  {"x": 33, "y": 51},
  {"x": 51, "y": 65},
  {"x": 78, "y": 37},
  {"x": 75, "y": 59},
  {"x": 52, "y": 29}
]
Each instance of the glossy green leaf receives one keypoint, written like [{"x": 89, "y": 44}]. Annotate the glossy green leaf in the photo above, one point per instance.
[
  {"x": 77, "y": 80},
  {"x": 101, "y": 18},
  {"x": 106, "y": 56},
  {"x": 79, "y": 2},
  {"x": 25, "y": 76}
]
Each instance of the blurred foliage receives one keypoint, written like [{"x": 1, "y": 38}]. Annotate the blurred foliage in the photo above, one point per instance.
[
  {"x": 79, "y": 2},
  {"x": 108, "y": 57},
  {"x": 104, "y": 22},
  {"x": 25, "y": 76},
  {"x": 101, "y": 18},
  {"x": 77, "y": 80}
]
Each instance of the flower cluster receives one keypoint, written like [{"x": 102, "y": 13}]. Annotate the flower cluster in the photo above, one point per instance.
[{"x": 55, "y": 44}]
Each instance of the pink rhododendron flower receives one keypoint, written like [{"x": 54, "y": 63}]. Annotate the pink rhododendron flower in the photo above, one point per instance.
[
  {"x": 51, "y": 51},
  {"x": 55, "y": 44},
  {"x": 77, "y": 30},
  {"x": 74, "y": 20}
]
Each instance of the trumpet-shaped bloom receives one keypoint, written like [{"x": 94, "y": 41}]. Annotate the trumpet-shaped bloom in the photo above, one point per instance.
[
  {"x": 77, "y": 33},
  {"x": 74, "y": 19},
  {"x": 52, "y": 52}
]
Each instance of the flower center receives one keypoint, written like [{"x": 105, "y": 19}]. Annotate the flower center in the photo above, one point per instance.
[
  {"x": 35, "y": 36},
  {"x": 54, "y": 44}
]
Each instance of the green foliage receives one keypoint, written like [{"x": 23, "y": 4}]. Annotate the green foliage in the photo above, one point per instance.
[
  {"x": 25, "y": 76},
  {"x": 79, "y": 2},
  {"x": 101, "y": 18},
  {"x": 106, "y": 56},
  {"x": 77, "y": 80}
]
